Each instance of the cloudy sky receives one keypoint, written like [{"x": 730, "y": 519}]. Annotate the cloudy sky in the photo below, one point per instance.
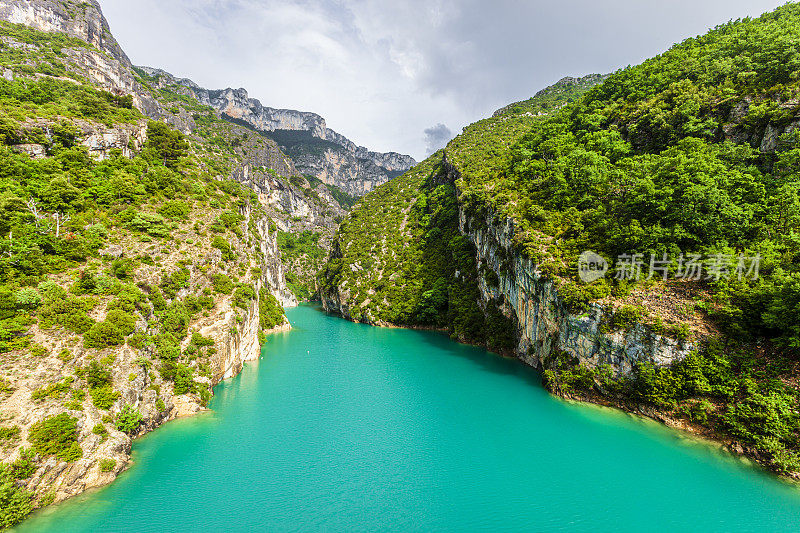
[{"x": 404, "y": 75}]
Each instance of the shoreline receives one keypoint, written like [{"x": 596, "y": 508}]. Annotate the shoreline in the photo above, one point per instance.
[{"x": 185, "y": 408}]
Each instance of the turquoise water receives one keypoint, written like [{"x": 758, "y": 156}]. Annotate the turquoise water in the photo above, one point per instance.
[{"x": 344, "y": 427}]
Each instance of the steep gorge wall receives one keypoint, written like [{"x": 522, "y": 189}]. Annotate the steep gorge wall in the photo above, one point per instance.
[
  {"x": 235, "y": 332},
  {"x": 546, "y": 328}
]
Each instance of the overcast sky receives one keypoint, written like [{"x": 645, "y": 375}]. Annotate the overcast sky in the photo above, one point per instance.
[{"x": 404, "y": 75}]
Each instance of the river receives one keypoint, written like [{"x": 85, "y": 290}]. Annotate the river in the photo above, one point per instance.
[{"x": 346, "y": 427}]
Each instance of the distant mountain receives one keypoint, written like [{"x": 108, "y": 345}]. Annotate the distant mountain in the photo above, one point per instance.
[{"x": 316, "y": 150}]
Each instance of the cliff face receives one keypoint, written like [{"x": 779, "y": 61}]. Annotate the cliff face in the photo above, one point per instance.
[
  {"x": 234, "y": 331},
  {"x": 76, "y": 18},
  {"x": 546, "y": 329},
  {"x": 316, "y": 149}
]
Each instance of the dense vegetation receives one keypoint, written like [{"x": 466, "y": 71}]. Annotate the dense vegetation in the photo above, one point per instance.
[
  {"x": 665, "y": 158},
  {"x": 303, "y": 256},
  {"x": 400, "y": 251},
  {"x": 691, "y": 153}
]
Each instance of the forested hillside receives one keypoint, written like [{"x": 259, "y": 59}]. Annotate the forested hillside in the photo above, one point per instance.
[
  {"x": 690, "y": 157},
  {"x": 139, "y": 259}
]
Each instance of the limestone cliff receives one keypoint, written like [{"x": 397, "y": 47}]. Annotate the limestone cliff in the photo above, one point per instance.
[
  {"x": 545, "y": 326},
  {"x": 234, "y": 331}
]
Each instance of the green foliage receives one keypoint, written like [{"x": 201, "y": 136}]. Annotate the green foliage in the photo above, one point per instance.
[
  {"x": 150, "y": 223},
  {"x": 9, "y": 434},
  {"x": 56, "y": 435},
  {"x": 25, "y": 466},
  {"x": 104, "y": 397},
  {"x": 174, "y": 209},
  {"x": 107, "y": 465},
  {"x": 201, "y": 341},
  {"x": 96, "y": 375},
  {"x": 165, "y": 144},
  {"x": 103, "y": 335},
  {"x": 128, "y": 420},
  {"x": 47, "y": 97},
  {"x": 222, "y": 283},
  {"x": 55, "y": 390},
  {"x": 100, "y": 429},
  {"x": 175, "y": 320},
  {"x": 70, "y": 312},
  {"x": 231, "y": 221},
  {"x": 271, "y": 313},
  {"x": 123, "y": 268},
  {"x": 171, "y": 284},
  {"x": 184, "y": 379},
  {"x": 225, "y": 247},
  {"x": 243, "y": 295},
  {"x": 345, "y": 200},
  {"x": 15, "y": 502}
]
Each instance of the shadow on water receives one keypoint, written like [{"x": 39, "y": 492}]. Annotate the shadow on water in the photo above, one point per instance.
[
  {"x": 488, "y": 361},
  {"x": 445, "y": 346}
]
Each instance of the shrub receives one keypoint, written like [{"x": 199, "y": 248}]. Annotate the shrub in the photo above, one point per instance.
[
  {"x": 175, "y": 320},
  {"x": 9, "y": 434},
  {"x": 225, "y": 247},
  {"x": 104, "y": 397},
  {"x": 170, "y": 285},
  {"x": 25, "y": 466},
  {"x": 167, "y": 347},
  {"x": 184, "y": 379},
  {"x": 243, "y": 295},
  {"x": 15, "y": 502},
  {"x": 100, "y": 429},
  {"x": 103, "y": 335},
  {"x": 28, "y": 298},
  {"x": 150, "y": 223},
  {"x": 56, "y": 435},
  {"x": 124, "y": 322},
  {"x": 222, "y": 284},
  {"x": 128, "y": 420},
  {"x": 271, "y": 313},
  {"x": 107, "y": 465},
  {"x": 67, "y": 311},
  {"x": 96, "y": 375},
  {"x": 174, "y": 209},
  {"x": 138, "y": 340},
  {"x": 201, "y": 341},
  {"x": 123, "y": 268}
]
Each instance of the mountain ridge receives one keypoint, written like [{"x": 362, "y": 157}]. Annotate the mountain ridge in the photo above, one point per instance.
[{"x": 361, "y": 171}]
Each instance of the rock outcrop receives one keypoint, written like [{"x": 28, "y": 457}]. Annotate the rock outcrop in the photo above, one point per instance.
[{"x": 546, "y": 328}]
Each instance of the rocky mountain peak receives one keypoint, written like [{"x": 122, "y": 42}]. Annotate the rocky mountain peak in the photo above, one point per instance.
[{"x": 316, "y": 149}]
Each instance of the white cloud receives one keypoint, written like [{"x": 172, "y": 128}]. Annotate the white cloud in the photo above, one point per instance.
[{"x": 382, "y": 71}]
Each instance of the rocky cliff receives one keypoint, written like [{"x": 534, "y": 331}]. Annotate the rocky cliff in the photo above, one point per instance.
[{"x": 545, "y": 326}]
